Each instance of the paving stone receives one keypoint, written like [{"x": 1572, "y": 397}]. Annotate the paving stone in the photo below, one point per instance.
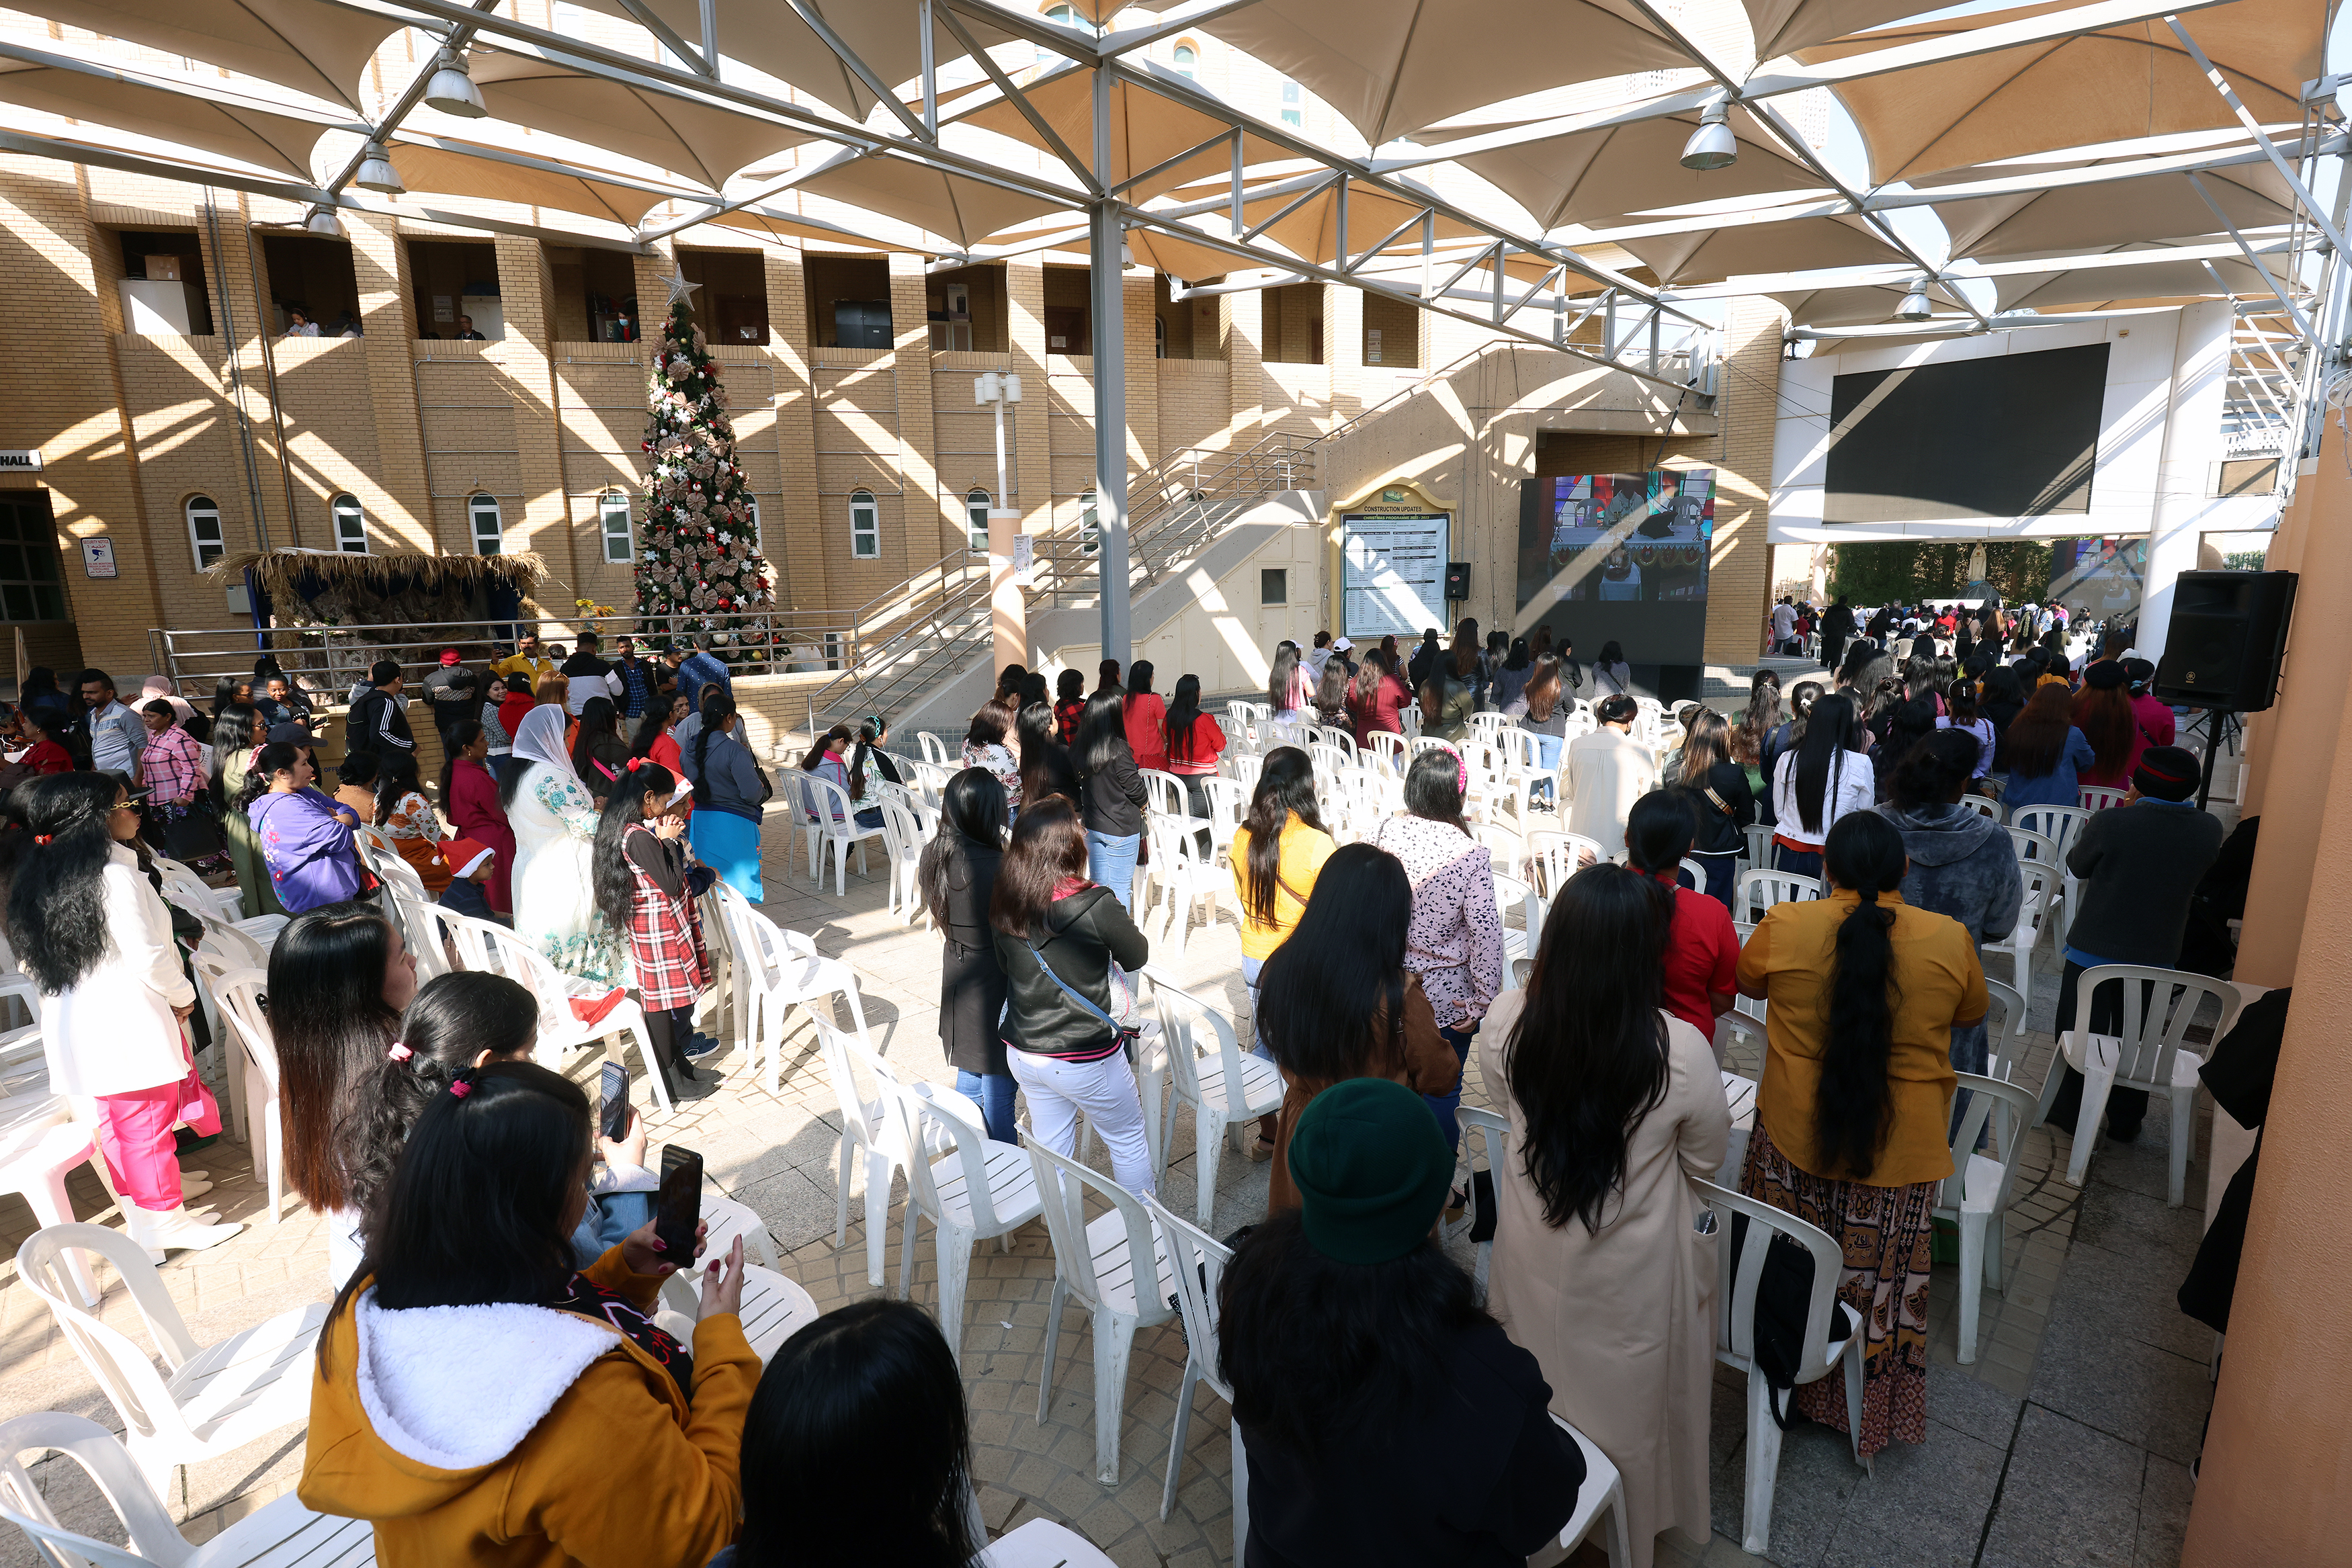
[{"x": 2070, "y": 1496}]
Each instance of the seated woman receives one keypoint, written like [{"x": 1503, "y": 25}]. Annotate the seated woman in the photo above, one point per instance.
[
  {"x": 858, "y": 1448},
  {"x": 405, "y": 816},
  {"x": 1616, "y": 1106},
  {"x": 403, "y": 1433},
  {"x": 307, "y": 840},
  {"x": 1391, "y": 1420}
]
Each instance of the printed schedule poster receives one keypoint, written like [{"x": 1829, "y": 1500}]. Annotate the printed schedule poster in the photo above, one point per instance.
[{"x": 1395, "y": 572}]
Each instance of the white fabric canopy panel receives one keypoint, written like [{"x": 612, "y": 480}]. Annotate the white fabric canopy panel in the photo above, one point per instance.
[
  {"x": 1391, "y": 67},
  {"x": 2089, "y": 216},
  {"x": 959, "y": 209},
  {"x": 2079, "y": 91},
  {"x": 1147, "y": 130},
  {"x": 1605, "y": 175},
  {"x": 704, "y": 142},
  {"x": 1781, "y": 26},
  {"x": 1758, "y": 244},
  {"x": 228, "y": 126},
  {"x": 455, "y": 168},
  {"x": 310, "y": 46}
]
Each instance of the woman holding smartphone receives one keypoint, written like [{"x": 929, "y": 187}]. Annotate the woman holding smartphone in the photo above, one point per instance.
[{"x": 490, "y": 1435}]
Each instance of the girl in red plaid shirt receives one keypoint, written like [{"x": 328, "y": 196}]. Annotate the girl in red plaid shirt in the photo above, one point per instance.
[{"x": 646, "y": 883}]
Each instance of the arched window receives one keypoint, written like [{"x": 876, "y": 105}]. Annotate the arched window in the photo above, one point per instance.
[
  {"x": 758, "y": 528},
  {"x": 1186, "y": 61},
  {"x": 204, "y": 531},
  {"x": 350, "y": 524},
  {"x": 613, "y": 521},
  {"x": 489, "y": 534},
  {"x": 975, "y": 508},
  {"x": 1089, "y": 530},
  {"x": 864, "y": 526},
  {"x": 1160, "y": 337}
]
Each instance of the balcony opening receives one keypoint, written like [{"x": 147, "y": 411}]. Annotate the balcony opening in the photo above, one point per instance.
[
  {"x": 314, "y": 277},
  {"x": 454, "y": 287},
  {"x": 162, "y": 285},
  {"x": 732, "y": 306}
]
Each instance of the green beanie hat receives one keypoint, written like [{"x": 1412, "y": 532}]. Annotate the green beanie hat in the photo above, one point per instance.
[{"x": 1371, "y": 1169}]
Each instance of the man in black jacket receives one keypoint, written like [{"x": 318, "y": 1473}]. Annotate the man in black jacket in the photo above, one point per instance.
[
  {"x": 2140, "y": 864},
  {"x": 378, "y": 720}
]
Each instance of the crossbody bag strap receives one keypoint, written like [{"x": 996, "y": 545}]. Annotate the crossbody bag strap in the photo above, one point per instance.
[{"x": 1036, "y": 952}]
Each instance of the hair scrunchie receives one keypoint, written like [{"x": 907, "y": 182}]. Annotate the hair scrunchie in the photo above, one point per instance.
[
  {"x": 462, "y": 1083},
  {"x": 398, "y": 1052}
]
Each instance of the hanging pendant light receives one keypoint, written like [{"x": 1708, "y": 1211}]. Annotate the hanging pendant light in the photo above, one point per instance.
[
  {"x": 376, "y": 172},
  {"x": 451, "y": 90},
  {"x": 1915, "y": 306},
  {"x": 1712, "y": 145},
  {"x": 323, "y": 223}
]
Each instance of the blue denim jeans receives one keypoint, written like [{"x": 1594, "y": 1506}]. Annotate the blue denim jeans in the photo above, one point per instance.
[
  {"x": 1442, "y": 1106},
  {"x": 1250, "y": 968},
  {"x": 993, "y": 1093},
  {"x": 1112, "y": 861}
]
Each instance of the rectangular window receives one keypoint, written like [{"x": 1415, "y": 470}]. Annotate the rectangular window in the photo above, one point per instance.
[
  {"x": 29, "y": 585},
  {"x": 613, "y": 517},
  {"x": 865, "y": 528},
  {"x": 1273, "y": 585},
  {"x": 1089, "y": 530},
  {"x": 350, "y": 527},
  {"x": 488, "y": 537},
  {"x": 1290, "y": 103},
  {"x": 205, "y": 532},
  {"x": 976, "y": 521},
  {"x": 758, "y": 528}
]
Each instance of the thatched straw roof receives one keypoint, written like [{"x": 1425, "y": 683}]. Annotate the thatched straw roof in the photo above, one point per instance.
[{"x": 277, "y": 571}]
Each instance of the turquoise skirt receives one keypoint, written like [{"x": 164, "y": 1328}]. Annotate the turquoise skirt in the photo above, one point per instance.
[{"x": 729, "y": 845}]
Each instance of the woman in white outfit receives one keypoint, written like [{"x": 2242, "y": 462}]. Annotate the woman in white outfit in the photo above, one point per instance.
[
  {"x": 555, "y": 846},
  {"x": 97, "y": 939}
]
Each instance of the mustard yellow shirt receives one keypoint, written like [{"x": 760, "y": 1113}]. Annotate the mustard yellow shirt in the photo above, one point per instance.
[
  {"x": 1791, "y": 955},
  {"x": 1300, "y": 852}
]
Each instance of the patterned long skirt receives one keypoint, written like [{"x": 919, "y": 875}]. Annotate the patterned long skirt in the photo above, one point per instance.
[{"x": 1884, "y": 1231}]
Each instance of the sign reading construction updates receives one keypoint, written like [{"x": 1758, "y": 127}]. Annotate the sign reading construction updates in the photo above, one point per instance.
[{"x": 1393, "y": 577}]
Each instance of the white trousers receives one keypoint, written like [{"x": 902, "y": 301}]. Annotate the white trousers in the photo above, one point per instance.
[{"x": 1105, "y": 1091}]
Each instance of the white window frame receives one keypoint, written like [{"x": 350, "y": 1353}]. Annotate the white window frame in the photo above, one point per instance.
[
  {"x": 976, "y": 506},
  {"x": 1294, "y": 103},
  {"x": 345, "y": 510},
  {"x": 758, "y": 528},
  {"x": 610, "y": 505},
  {"x": 865, "y": 526},
  {"x": 203, "y": 509},
  {"x": 1089, "y": 527},
  {"x": 480, "y": 506}
]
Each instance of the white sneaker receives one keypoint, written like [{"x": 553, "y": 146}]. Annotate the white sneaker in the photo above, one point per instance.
[
  {"x": 192, "y": 1185},
  {"x": 160, "y": 1230}
]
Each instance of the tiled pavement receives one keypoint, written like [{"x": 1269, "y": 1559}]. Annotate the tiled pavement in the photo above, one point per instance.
[{"x": 2067, "y": 1441}]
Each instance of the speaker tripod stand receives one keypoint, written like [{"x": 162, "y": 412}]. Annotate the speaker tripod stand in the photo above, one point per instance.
[{"x": 2222, "y": 728}]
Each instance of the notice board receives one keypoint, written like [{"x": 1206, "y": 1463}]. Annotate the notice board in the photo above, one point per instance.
[{"x": 1392, "y": 567}]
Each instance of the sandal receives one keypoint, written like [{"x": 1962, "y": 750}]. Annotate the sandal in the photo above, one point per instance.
[{"x": 1261, "y": 1149}]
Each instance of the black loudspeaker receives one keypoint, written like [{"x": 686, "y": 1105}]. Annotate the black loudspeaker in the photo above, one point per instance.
[
  {"x": 1457, "y": 581},
  {"x": 2223, "y": 646}
]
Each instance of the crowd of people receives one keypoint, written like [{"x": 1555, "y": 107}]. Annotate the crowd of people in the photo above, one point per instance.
[{"x": 1368, "y": 1378}]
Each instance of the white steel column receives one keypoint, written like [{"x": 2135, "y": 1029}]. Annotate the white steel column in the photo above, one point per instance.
[
  {"x": 2192, "y": 445},
  {"x": 1106, "y": 299}
]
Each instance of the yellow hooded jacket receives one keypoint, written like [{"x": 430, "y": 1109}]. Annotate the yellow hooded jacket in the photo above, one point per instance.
[{"x": 527, "y": 1438}]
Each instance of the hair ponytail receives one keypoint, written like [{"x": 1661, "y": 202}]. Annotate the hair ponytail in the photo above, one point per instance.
[{"x": 1852, "y": 1108}]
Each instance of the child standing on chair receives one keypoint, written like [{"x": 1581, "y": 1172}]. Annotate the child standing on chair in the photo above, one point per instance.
[{"x": 646, "y": 882}]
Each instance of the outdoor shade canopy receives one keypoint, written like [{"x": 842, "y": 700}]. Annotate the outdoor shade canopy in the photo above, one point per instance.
[
  {"x": 1605, "y": 175},
  {"x": 703, "y": 141},
  {"x": 1147, "y": 130},
  {"x": 452, "y": 167},
  {"x": 2081, "y": 91},
  {"x": 1759, "y": 243},
  {"x": 197, "y": 115},
  {"x": 961, "y": 209},
  {"x": 1391, "y": 67},
  {"x": 2088, "y": 216},
  {"x": 310, "y": 46},
  {"x": 1782, "y": 25}
]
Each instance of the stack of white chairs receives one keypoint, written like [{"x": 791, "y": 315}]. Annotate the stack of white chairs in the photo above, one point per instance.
[
  {"x": 902, "y": 844},
  {"x": 1180, "y": 873},
  {"x": 1342, "y": 739}
]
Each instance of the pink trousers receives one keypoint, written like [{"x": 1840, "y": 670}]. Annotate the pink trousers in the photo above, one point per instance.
[{"x": 134, "y": 1134}]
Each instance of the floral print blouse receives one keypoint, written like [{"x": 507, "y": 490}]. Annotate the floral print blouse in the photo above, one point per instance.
[
  {"x": 413, "y": 818},
  {"x": 999, "y": 760},
  {"x": 1454, "y": 941}
]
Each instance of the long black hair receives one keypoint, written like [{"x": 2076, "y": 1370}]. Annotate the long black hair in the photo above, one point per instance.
[
  {"x": 1049, "y": 844},
  {"x": 717, "y": 707},
  {"x": 1102, "y": 733},
  {"x": 453, "y": 1019},
  {"x": 599, "y": 720},
  {"x": 232, "y": 733},
  {"x": 1045, "y": 766},
  {"x": 1851, "y": 1106},
  {"x": 475, "y": 1212},
  {"x": 1830, "y": 733},
  {"x": 328, "y": 1015},
  {"x": 971, "y": 811},
  {"x": 649, "y": 729},
  {"x": 857, "y": 1447},
  {"x": 616, "y": 884},
  {"x": 1183, "y": 711},
  {"x": 277, "y": 757},
  {"x": 56, "y": 904},
  {"x": 1312, "y": 1347},
  {"x": 1934, "y": 769},
  {"x": 462, "y": 734},
  {"x": 1432, "y": 788},
  {"x": 395, "y": 779},
  {"x": 1285, "y": 789},
  {"x": 1331, "y": 997},
  {"x": 1588, "y": 1058}
]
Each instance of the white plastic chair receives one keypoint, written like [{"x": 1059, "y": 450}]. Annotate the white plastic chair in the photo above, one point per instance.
[
  {"x": 1600, "y": 1501},
  {"x": 1976, "y": 1195},
  {"x": 2005, "y": 1045},
  {"x": 2034, "y": 915},
  {"x": 2146, "y": 1055},
  {"x": 2058, "y": 825},
  {"x": 978, "y": 1191},
  {"x": 2099, "y": 797},
  {"x": 1759, "y": 845},
  {"x": 829, "y": 818},
  {"x": 1245, "y": 768},
  {"x": 774, "y": 971},
  {"x": 1197, "y": 1264},
  {"x": 1519, "y": 941},
  {"x": 902, "y": 845},
  {"x": 1556, "y": 854},
  {"x": 774, "y": 1307},
  {"x": 1757, "y": 891},
  {"x": 1387, "y": 747},
  {"x": 1735, "y": 1341},
  {"x": 209, "y": 1399},
  {"x": 39, "y": 1142},
  {"x": 1983, "y": 806},
  {"x": 1115, "y": 1269},
  {"x": 1178, "y": 870},
  {"x": 1225, "y": 1087},
  {"x": 245, "y": 1026},
  {"x": 869, "y": 1133},
  {"x": 1164, "y": 797},
  {"x": 561, "y": 1030},
  {"x": 1226, "y": 801},
  {"x": 2034, "y": 848},
  {"x": 934, "y": 750},
  {"x": 1494, "y": 1130},
  {"x": 284, "y": 1534},
  {"x": 1041, "y": 1543}
]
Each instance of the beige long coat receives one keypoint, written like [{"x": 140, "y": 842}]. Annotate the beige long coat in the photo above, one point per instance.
[
  {"x": 1622, "y": 1321},
  {"x": 1604, "y": 773}
]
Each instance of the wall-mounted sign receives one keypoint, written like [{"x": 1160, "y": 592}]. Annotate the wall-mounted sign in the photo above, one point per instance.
[
  {"x": 97, "y": 558},
  {"x": 1025, "y": 559},
  {"x": 1372, "y": 345},
  {"x": 1393, "y": 568},
  {"x": 20, "y": 461},
  {"x": 445, "y": 309}
]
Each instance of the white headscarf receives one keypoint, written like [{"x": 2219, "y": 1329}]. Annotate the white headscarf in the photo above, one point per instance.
[{"x": 540, "y": 738}]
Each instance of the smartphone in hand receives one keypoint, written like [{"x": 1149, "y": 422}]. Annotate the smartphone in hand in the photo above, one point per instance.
[
  {"x": 678, "y": 1211},
  {"x": 613, "y": 1112}
]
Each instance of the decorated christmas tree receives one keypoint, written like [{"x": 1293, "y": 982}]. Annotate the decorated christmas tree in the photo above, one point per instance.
[{"x": 699, "y": 557}]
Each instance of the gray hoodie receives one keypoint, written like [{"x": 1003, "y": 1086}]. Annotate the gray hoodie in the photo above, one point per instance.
[{"x": 1962, "y": 864}]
